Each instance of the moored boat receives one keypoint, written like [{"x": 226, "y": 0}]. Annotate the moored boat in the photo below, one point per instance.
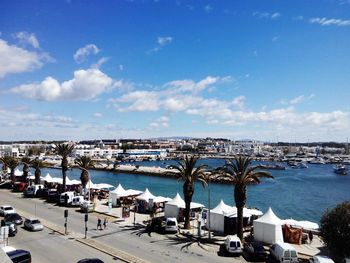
[{"x": 340, "y": 169}]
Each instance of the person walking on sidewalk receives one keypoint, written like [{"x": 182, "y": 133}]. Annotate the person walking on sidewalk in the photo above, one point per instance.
[
  {"x": 105, "y": 221},
  {"x": 99, "y": 223}
]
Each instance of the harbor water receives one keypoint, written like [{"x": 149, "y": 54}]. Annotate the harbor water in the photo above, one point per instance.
[{"x": 301, "y": 194}]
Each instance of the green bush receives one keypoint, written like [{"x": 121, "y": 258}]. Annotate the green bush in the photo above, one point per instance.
[{"x": 335, "y": 230}]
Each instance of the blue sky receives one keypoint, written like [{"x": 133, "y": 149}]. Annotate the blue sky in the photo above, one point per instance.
[{"x": 268, "y": 70}]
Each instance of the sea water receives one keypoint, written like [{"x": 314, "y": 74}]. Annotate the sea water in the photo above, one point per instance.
[{"x": 301, "y": 194}]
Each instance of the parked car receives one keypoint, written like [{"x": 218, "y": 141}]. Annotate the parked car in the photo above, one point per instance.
[
  {"x": 90, "y": 260},
  {"x": 171, "y": 225},
  {"x": 157, "y": 224},
  {"x": 53, "y": 196},
  {"x": 12, "y": 227},
  {"x": 32, "y": 190},
  {"x": 321, "y": 259},
  {"x": 87, "y": 206},
  {"x": 77, "y": 200},
  {"x": 6, "y": 209},
  {"x": 33, "y": 224},
  {"x": 20, "y": 256},
  {"x": 19, "y": 186},
  {"x": 255, "y": 251},
  {"x": 284, "y": 253},
  {"x": 14, "y": 218},
  {"x": 233, "y": 245},
  {"x": 66, "y": 198},
  {"x": 42, "y": 193}
]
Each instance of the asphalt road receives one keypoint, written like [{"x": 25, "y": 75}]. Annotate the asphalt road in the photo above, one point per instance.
[
  {"x": 132, "y": 240},
  {"x": 47, "y": 246}
]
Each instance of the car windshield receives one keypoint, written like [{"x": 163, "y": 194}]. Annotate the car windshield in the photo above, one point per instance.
[
  {"x": 8, "y": 208},
  {"x": 35, "y": 221},
  {"x": 233, "y": 244},
  {"x": 171, "y": 223}
]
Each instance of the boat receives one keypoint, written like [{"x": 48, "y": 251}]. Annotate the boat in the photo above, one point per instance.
[
  {"x": 272, "y": 167},
  {"x": 340, "y": 169},
  {"x": 297, "y": 165}
]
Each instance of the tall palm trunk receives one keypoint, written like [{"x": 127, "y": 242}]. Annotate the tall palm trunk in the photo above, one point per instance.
[
  {"x": 188, "y": 190},
  {"x": 13, "y": 177},
  {"x": 240, "y": 200},
  {"x": 64, "y": 166},
  {"x": 84, "y": 178},
  {"x": 37, "y": 176},
  {"x": 25, "y": 172}
]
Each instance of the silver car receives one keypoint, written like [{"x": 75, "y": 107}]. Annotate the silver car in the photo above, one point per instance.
[{"x": 33, "y": 224}]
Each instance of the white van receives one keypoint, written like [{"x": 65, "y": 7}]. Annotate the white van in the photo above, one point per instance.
[
  {"x": 284, "y": 253},
  {"x": 233, "y": 245},
  {"x": 67, "y": 195},
  {"x": 77, "y": 200},
  {"x": 171, "y": 225},
  {"x": 32, "y": 190}
]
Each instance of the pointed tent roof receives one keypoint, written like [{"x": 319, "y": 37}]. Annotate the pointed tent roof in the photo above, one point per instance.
[
  {"x": 269, "y": 218},
  {"x": 222, "y": 209},
  {"x": 177, "y": 201},
  {"x": 118, "y": 190},
  {"x": 47, "y": 178},
  {"x": 146, "y": 195},
  {"x": 18, "y": 172}
]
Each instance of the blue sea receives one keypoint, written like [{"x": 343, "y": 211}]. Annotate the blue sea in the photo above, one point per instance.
[{"x": 301, "y": 194}]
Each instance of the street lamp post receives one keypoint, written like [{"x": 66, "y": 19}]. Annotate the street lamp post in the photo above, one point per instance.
[{"x": 209, "y": 209}]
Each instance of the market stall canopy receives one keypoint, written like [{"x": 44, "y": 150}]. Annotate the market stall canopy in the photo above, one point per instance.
[
  {"x": 304, "y": 224},
  {"x": 17, "y": 172},
  {"x": 223, "y": 209},
  {"x": 146, "y": 195},
  {"x": 180, "y": 203},
  {"x": 103, "y": 186},
  {"x": 47, "y": 178},
  {"x": 161, "y": 199}
]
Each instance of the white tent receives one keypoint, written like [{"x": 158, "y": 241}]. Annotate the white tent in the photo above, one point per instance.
[
  {"x": 17, "y": 172},
  {"x": 116, "y": 193},
  {"x": 173, "y": 206},
  {"x": 217, "y": 216},
  {"x": 47, "y": 178},
  {"x": 308, "y": 225},
  {"x": 268, "y": 228},
  {"x": 145, "y": 196}
]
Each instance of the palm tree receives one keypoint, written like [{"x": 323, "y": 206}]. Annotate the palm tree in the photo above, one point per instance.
[
  {"x": 84, "y": 163},
  {"x": 240, "y": 173},
  {"x": 64, "y": 149},
  {"x": 4, "y": 160},
  {"x": 37, "y": 165},
  {"x": 26, "y": 162},
  {"x": 12, "y": 163},
  {"x": 189, "y": 173}
]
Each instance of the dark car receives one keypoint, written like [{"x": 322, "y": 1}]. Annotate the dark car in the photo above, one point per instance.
[
  {"x": 20, "y": 256},
  {"x": 42, "y": 192},
  {"x": 90, "y": 260},
  {"x": 255, "y": 251},
  {"x": 12, "y": 227},
  {"x": 157, "y": 225},
  {"x": 14, "y": 218}
]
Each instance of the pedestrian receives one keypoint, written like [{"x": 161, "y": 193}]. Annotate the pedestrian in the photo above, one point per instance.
[
  {"x": 311, "y": 236},
  {"x": 105, "y": 221},
  {"x": 99, "y": 225}
]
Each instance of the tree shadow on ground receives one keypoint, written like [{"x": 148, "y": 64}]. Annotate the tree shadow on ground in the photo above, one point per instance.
[
  {"x": 137, "y": 229},
  {"x": 187, "y": 240}
]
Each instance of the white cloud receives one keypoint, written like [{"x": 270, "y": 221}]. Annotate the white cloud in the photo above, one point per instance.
[
  {"x": 82, "y": 53},
  {"x": 162, "y": 122},
  {"x": 100, "y": 62},
  {"x": 162, "y": 41},
  {"x": 298, "y": 100},
  {"x": 329, "y": 22},
  {"x": 27, "y": 38},
  {"x": 86, "y": 84},
  {"x": 267, "y": 15},
  {"x": 17, "y": 60},
  {"x": 97, "y": 114},
  {"x": 239, "y": 102}
]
